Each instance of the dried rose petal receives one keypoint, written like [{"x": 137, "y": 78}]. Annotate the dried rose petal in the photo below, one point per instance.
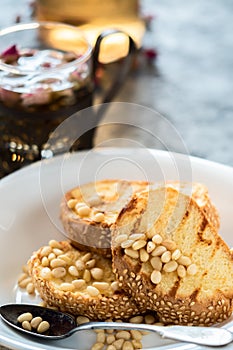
[
  {"x": 38, "y": 96},
  {"x": 10, "y": 55},
  {"x": 150, "y": 54}
]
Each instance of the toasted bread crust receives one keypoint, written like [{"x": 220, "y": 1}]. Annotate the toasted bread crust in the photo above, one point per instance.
[
  {"x": 203, "y": 298},
  {"x": 86, "y": 234},
  {"x": 107, "y": 304}
]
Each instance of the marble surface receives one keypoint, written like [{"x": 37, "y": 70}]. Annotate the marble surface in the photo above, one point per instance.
[{"x": 190, "y": 84}]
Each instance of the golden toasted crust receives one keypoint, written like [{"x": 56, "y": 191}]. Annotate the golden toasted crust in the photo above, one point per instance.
[
  {"x": 200, "y": 195},
  {"x": 105, "y": 196},
  {"x": 68, "y": 295},
  {"x": 110, "y": 197},
  {"x": 202, "y": 292}
]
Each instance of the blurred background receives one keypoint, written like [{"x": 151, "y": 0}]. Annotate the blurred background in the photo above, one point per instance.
[{"x": 184, "y": 70}]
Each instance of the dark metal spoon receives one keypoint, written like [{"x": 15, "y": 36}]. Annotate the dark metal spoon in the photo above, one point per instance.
[{"x": 63, "y": 325}]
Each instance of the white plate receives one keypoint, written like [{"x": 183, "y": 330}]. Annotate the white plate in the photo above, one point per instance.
[{"x": 29, "y": 217}]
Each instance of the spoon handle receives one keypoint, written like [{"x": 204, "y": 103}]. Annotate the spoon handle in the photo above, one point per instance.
[{"x": 210, "y": 336}]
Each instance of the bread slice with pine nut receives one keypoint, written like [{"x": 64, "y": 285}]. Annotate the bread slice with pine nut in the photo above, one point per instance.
[
  {"x": 88, "y": 211},
  {"x": 79, "y": 282},
  {"x": 168, "y": 255}
]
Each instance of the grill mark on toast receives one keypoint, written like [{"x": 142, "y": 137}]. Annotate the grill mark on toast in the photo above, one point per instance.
[
  {"x": 174, "y": 289},
  {"x": 194, "y": 294},
  {"x": 202, "y": 228}
]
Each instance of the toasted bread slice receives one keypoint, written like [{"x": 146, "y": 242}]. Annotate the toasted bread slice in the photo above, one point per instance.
[
  {"x": 105, "y": 199},
  {"x": 78, "y": 282},
  {"x": 90, "y": 228},
  {"x": 171, "y": 259}
]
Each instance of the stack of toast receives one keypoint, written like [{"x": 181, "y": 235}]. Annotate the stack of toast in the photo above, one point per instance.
[{"x": 134, "y": 247}]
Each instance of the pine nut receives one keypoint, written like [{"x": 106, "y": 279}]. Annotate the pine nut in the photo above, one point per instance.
[
  {"x": 99, "y": 217},
  {"x": 66, "y": 258},
  {"x": 157, "y": 239},
  {"x": 26, "y": 325},
  {"x": 55, "y": 244},
  {"x": 73, "y": 271},
  {"x": 176, "y": 254},
  {"x": 136, "y": 319},
  {"x": 144, "y": 256},
  {"x": 57, "y": 251},
  {"x": 82, "y": 320},
  {"x": 184, "y": 260},
  {"x": 86, "y": 257},
  {"x": 137, "y": 236},
  {"x": 127, "y": 345},
  {"x": 149, "y": 319},
  {"x": 121, "y": 238},
  {"x": 45, "y": 273},
  {"x": 150, "y": 247},
  {"x": 22, "y": 277},
  {"x": 87, "y": 276},
  {"x": 59, "y": 272},
  {"x": 67, "y": 287},
  {"x": 45, "y": 261},
  {"x": 57, "y": 263},
  {"x": 36, "y": 321},
  {"x": 111, "y": 347},
  {"x": 158, "y": 251},
  {"x": 83, "y": 211},
  {"x": 24, "y": 283},
  {"x": 110, "y": 339},
  {"x": 45, "y": 251},
  {"x": 71, "y": 203},
  {"x": 127, "y": 244},
  {"x": 51, "y": 256},
  {"x": 101, "y": 285},
  {"x": 123, "y": 335},
  {"x": 92, "y": 291},
  {"x": 43, "y": 327},
  {"x": 156, "y": 277},
  {"x": 156, "y": 263},
  {"x": 115, "y": 286},
  {"x": 97, "y": 273},
  {"x": 25, "y": 269},
  {"x": 118, "y": 344},
  {"x": 132, "y": 253},
  {"x": 30, "y": 288},
  {"x": 169, "y": 244},
  {"x": 98, "y": 346},
  {"x": 26, "y": 316},
  {"x": 101, "y": 337},
  {"x": 137, "y": 344},
  {"x": 90, "y": 263},
  {"x": 166, "y": 256},
  {"x": 139, "y": 244},
  {"x": 192, "y": 269},
  {"x": 170, "y": 266},
  {"x": 181, "y": 271},
  {"x": 79, "y": 284},
  {"x": 137, "y": 335},
  {"x": 80, "y": 265}
]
